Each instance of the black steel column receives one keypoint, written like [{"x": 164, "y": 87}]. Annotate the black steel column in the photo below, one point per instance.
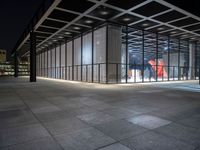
[
  {"x": 179, "y": 50},
  {"x": 73, "y": 58},
  {"x": 16, "y": 64},
  {"x": 55, "y": 63},
  {"x": 51, "y": 70},
  {"x": 47, "y": 72},
  {"x": 126, "y": 54},
  {"x": 66, "y": 60},
  {"x": 81, "y": 57},
  {"x": 168, "y": 54},
  {"x": 32, "y": 56},
  {"x": 156, "y": 57},
  {"x": 60, "y": 61},
  {"x": 188, "y": 58},
  {"x": 92, "y": 55},
  {"x": 44, "y": 62},
  {"x": 143, "y": 55},
  {"x": 40, "y": 64},
  {"x": 195, "y": 60},
  {"x": 106, "y": 53}
]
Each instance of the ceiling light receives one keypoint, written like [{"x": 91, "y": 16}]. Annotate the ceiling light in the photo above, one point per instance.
[
  {"x": 77, "y": 28},
  {"x": 49, "y": 43},
  {"x": 173, "y": 32},
  {"x": 104, "y": 13},
  {"x": 55, "y": 40},
  {"x": 145, "y": 24},
  {"x": 46, "y": 45},
  {"x": 89, "y": 21},
  {"x": 160, "y": 29},
  {"x": 67, "y": 33},
  {"x": 126, "y": 19},
  {"x": 184, "y": 35},
  {"x": 60, "y": 37}
]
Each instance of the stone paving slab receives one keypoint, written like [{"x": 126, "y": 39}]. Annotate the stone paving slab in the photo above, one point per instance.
[{"x": 58, "y": 115}]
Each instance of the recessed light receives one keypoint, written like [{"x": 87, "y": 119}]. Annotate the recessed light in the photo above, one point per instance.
[
  {"x": 55, "y": 40},
  {"x": 77, "y": 28},
  {"x": 104, "y": 12},
  {"x": 67, "y": 33},
  {"x": 126, "y": 19},
  {"x": 160, "y": 29},
  {"x": 145, "y": 24},
  {"x": 89, "y": 21},
  {"x": 60, "y": 37},
  {"x": 173, "y": 32}
]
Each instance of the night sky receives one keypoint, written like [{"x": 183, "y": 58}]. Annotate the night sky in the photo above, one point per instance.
[{"x": 14, "y": 17}]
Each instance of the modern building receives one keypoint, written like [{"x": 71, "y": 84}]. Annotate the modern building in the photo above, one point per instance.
[
  {"x": 2, "y": 56},
  {"x": 109, "y": 41}
]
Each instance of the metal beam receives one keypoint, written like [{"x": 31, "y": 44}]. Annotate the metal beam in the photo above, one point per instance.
[{"x": 32, "y": 56}]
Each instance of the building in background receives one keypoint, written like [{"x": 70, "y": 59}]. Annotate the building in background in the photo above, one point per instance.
[{"x": 2, "y": 56}]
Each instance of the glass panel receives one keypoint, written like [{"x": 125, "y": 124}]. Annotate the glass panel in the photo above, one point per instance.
[
  {"x": 53, "y": 63},
  {"x": 162, "y": 58},
  {"x": 49, "y": 63},
  {"x": 150, "y": 57},
  {"x": 69, "y": 61},
  {"x": 100, "y": 55},
  {"x": 174, "y": 59},
  {"x": 63, "y": 61},
  {"x": 135, "y": 57},
  {"x": 184, "y": 59},
  {"x": 114, "y": 53},
  {"x": 87, "y": 58},
  {"x": 77, "y": 59},
  {"x": 123, "y": 55},
  {"x": 58, "y": 61}
]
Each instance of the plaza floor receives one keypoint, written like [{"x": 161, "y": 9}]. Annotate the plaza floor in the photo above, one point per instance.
[{"x": 66, "y": 115}]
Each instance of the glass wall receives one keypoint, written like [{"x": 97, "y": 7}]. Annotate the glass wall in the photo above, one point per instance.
[
  {"x": 69, "y": 60},
  {"x": 163, "y": 51},
  {"x": 99, "y": 68},
  {"x": 114, "y": 53},
  {"x": 87, "y": 58},
  {"x": 135, "y": 55},
  {"x": 62, "y": 65},
  {"x": 77, "y": 58},
  {"x": 49, "y": 63}
]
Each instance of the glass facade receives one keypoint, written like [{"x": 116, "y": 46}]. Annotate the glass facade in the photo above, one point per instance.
[{"x": 120, "y": 54}]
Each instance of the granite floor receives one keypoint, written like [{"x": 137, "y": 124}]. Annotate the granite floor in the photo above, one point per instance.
[{"x": 64, "y": 115}]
